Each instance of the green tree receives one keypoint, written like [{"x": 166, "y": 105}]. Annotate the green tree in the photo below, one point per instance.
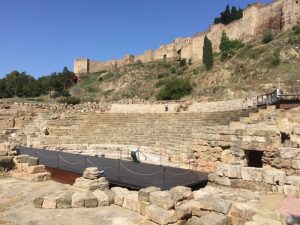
[
  {"x": 239, "y": 13},
  {"x": 234, "y": 14},
  {"x": 174, "y": 89},
  {"x": 208, "y": 54},
  {"x": 228, "y": 47}
]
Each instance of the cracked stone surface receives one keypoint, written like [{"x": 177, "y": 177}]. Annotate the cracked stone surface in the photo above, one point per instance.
[{"x": 16, "y": 207}]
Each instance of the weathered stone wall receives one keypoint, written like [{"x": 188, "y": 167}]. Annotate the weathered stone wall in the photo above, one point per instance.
[{"x": 257, "y": 18}]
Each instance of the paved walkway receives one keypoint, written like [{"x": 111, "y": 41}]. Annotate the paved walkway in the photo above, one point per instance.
[{"x": 16, "y": 208}]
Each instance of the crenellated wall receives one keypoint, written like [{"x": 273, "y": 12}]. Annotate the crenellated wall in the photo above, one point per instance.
[{"x": 257, "y": 18}]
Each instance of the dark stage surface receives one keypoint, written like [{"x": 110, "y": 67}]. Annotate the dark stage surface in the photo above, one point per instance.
[{"x": 118, "y": 172}]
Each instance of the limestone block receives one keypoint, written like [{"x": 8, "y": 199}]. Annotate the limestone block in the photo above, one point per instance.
[
  {"x": 22, "y": 158},
  {"x": 131, "y": 201},
  {"x": 215, "y": 204},
  {"x": 36, "y": 169},
  {"x": 159, "y": 215},
  {"x": 292, "y": 191},
  {"x": 91, "y": 173},
  {"x": 195, "y": 207},
  {"x": 38, "y": 177},
  {"x": 64, "y": 201},
  {"x": 91, "y": 185},
  {"x": 91, "y": 200},
  {"x": 33, "y": 161},
  {"x": 145, "y": 193},
  {"x": 252, "y": 174},
  {"x": 119, "y": 195},
  {"x": 183, "y": 212},
  {"x": 296, "y": 164},
  {"x": 228, "y": 170},
  {"x": 78, "y": 199},
  {"x": 50, "y": 200},
  {"x": 111, "y": 195},
  {"x": 38, "y": 202},
  {"x": 6, "y": 163},
  {"x": 209, "y": 219},
  {"x": 162, "y": 199},
  {"x": 103, "y": 199},
  {"x": 219, "y": 180},
  {"x": 3, "y": 152},
  {"x": 143, "y": 206},
  {"x": 276, "y": 177},
  {"x": 181, "y": 193},
  {"x": 293, "y": 180},
  {"x": 289, "y": 153},
  {"x": 242, "y": 211}
]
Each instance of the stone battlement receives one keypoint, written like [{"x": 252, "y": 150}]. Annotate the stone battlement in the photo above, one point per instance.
[{"x": 257, "y": 19}]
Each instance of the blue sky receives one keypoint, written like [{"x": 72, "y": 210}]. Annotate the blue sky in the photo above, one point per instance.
[{"x": 43, "y": 36}]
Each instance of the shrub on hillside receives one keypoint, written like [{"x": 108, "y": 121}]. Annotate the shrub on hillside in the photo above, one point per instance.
[
  {"x": 296, "y": 29},
  {"x": 70, "y": 100},
  {"x": 173, "y": 70},
  {"x": 183, "y": 62},
  {"x": 275, "y": 60},
  {"x": 174, "y": 89},
  {"x": 267, "y": 37},
  {"x": 229, "y": 47}
]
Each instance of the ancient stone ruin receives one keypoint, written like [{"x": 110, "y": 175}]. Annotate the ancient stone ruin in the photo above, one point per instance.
[
  {"x": 252, "y": 154},
  {"x": 257, "y": 19}
]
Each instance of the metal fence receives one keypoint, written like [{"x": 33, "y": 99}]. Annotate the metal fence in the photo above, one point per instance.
[{"x": 120, "y": 172}]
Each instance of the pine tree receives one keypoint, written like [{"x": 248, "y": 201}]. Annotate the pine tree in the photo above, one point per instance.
[
  {"x": 234, "y": 14},
  {"x": 208, "y": 54},
  {"x": 239, "y": 13},
  {"x": 226, "y": 15}
]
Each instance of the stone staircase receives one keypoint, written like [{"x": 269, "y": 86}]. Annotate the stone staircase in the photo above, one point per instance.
[{"x": 266, "y": 115}]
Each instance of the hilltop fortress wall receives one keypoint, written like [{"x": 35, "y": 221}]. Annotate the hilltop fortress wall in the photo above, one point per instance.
[{"x": 257, "y": 19}]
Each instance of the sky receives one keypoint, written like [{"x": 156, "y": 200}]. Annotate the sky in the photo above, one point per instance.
[{"x": 43, "y": 36}]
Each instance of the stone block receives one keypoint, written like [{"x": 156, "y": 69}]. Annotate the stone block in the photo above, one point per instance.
[
  {"x": 78, "y": 199},
  {"x": 243, "y": 211},
  {"x": 228, "y": 170},
  {"x": 131, "y": 201},
  {"x": 252, "y": 174},
  {"x": 162, "y": 199},
  {"x": 293, "y": 180},
  {"x": 50, "y": 201},
  {"x": 64, "y": 201},
  {"x": 195, "y": 207},
  {"x": 275, "y": 177},
  {"x": 215, "y": 204},
  {"x": 103, "y": 199},
  {"x": 120, "y": 193},
  {"x": 181, "y": 193},
  {"x": 22, "y": 158},
  {"x": 39, "y": 177},
  {"x": 36, "y": 169},
  {"x": 159, "y": 215},
  {"x": 33, "y": 161},
  {"x": 111, "y": 196},
  {"x": 183, "y": 212},
  {"x": 143, "y": 206},
  {"x": 38, "y": 202},
  {"x": 219, "y": 180},
  {"x": 291, "y": 191},
  {"x": 6, "y": 163},
  {"x": 91, "y": 200},
  {"x": 289, "y": 153},
  {"x": 91, "y": 185},
  {"x": 209, "y": 219},
  {"x": 296, "y": 164},
  {"x": 145, "y": 193}
]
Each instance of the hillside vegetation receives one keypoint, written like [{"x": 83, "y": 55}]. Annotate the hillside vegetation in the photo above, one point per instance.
[
  {"x": 254, "y": 68},
  {"x": 239, "y": 70}
]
